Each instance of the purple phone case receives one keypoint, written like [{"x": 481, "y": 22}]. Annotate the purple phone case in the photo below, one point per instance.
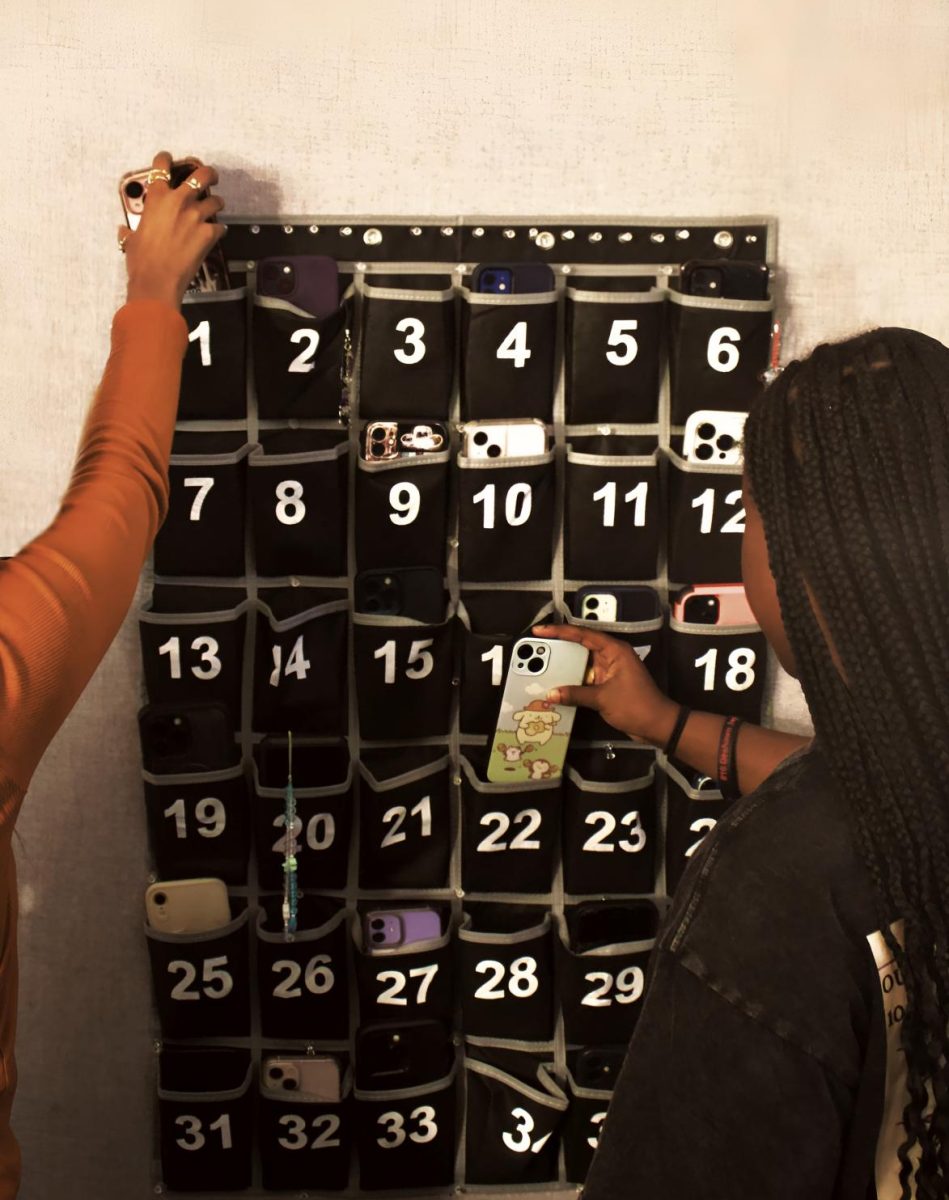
[
  {"x": 315, "y": 282},
  {"x": 401, "y": 927}
]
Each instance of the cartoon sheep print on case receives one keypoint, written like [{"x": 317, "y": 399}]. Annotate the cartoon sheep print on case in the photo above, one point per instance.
[{"x": 532, "y": 735}]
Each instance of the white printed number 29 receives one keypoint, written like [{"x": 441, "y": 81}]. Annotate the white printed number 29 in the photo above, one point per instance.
[{"x": 514, "y": 347}]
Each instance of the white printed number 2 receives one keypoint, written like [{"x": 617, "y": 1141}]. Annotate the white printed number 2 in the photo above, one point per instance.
[
  {"x": 514, "y": 347},
  {"x": 741, "y": 669}
]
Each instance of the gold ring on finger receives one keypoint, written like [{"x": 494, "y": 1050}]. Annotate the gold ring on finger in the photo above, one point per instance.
[
  {"x": 158, "y": 173},
  {"x": 194, "y": 183},
  {"x": 122, "y": 241}
]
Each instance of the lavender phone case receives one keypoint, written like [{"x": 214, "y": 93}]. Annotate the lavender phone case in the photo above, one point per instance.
[{"x": 402, "y": 927}]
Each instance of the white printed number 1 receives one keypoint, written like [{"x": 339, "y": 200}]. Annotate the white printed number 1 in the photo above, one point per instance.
[
  {"x": 514, "y": 347},
  {"x": 202, "y": 335}
]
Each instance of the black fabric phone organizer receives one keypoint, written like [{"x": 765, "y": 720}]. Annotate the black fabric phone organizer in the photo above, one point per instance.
[{"x": 470, "y": 956}]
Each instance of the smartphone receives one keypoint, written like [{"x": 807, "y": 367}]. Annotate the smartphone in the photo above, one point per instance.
[
  {"x": 531, "y": 738},
  {"x": 187, "y": 905},
  {"x": 714, "y": 437},
  {"x": 416, "y": 592},
  {"x": 511, "y": 278},
  {"x": 310, "y": 281},
  {"x": 504, "y": 439},
  {"x": 713, "y": 604},
  {"x": 181, "y": 738},
  {"x": 605, "y": 603},
  {"x": 390, "y": 929},
  {"x": 726, "y": 279},
  {"x": 317, "y": 1075},
  {"x": 133, "y": 190},
  {"x": 596, "y": 925},
  {"x": 397, "y": 1056},
  {"x": 386, "y": 440},
  {"x": 598, "y": 1066},
  {"x": 696, "y": 781}
]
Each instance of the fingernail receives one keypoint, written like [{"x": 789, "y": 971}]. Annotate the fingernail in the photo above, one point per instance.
[{"x": 553, "y": 696}]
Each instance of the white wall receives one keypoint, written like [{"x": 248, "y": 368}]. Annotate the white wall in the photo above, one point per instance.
[{"x": 830, "y": 115}]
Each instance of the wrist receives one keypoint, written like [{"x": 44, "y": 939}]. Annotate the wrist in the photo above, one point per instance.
[
  {"x": 166, "y": 293},
  {"x": 661, "y": 723}
]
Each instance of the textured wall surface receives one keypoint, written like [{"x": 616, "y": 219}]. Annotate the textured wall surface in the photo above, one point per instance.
[{"x": 831, "y": 116}]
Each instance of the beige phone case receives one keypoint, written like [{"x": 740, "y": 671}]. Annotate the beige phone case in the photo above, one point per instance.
[{"x": 187, "y": 905}]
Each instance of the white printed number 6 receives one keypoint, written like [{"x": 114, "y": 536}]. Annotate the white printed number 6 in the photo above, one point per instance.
[{"x": 722, "y": 352}]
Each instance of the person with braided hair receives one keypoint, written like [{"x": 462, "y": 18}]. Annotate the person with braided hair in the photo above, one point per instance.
[{"x": 794, "y": 1037}]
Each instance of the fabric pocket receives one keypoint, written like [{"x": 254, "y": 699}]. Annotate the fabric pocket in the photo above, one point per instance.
[
  {"x": 402, "y": 512},
  {"x": 406, "y": 1137},
  {"x": 405, "y": 983},
  {"x": 297, "y": 485},
  {"x": 214, "y": 368},
  {"x": 512, "y": 1126},
  {"x": 718, "y": 668},
  {"x": 718, "y": 353},
  {"x": 199, "y": 824},
  {"x": 581, "y": 1135},
  {"x": 304, "y": 1142},
  {"x": 298, "y": 359},
  {"x": 506, "y": 518},
  {"x": 203, "y": 533},
  {"x": 706, "y": 518},
  {"x": 691, "y": 815},
  {"x": 508, "y": 345},
  {"x": 613, "y": 355},
  {"x": 407, "y": 361}
]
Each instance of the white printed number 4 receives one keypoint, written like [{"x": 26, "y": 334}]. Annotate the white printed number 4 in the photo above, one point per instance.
[{"x": 514, "y": 347}]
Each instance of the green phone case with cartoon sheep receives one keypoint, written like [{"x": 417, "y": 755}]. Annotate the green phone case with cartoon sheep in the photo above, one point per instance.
[{"x": 532, "y": 735}]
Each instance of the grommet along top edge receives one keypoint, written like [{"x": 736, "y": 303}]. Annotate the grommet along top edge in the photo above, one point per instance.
[
  {"x": 372, "y": 237},
  {"x": 724, "y": 239},
  {"x": 545, "y": 240}
]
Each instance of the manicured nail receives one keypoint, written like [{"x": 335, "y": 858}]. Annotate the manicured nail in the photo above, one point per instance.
[{"x": 553, "y": 696}]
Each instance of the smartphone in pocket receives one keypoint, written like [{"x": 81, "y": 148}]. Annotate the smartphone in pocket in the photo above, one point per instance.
[
  {"x": 602, "y": 602},
  {"x": 507, "y": 279},
  {"x": 392, "y": 929},
  {"x": 187, "y": 905},
  {"x": 713, "y": 604},
  {"x": 598, "y": 1066},
  {"x": 317, "y": 1075},
  {"x": 416, "y": 592},
  {"x": 183, "y": 738},
  {"x": 390, "y": 1056},
  {"x": 212, "y": 275},
  {"x": 310, "y": 281},
  {"x": 387, "y": 440},
  {"x": 714, "y": 438},
  {"x": 504, "y": 439},
  {"x": 532, "y": 734},
  {"x": 596, "y": 925},
  {"x": 725, "y": 279}
]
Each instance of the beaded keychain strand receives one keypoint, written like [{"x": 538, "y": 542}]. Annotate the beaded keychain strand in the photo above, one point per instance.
[{"x": 290, "y": 893}]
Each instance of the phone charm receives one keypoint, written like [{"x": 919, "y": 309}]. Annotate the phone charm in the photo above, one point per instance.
[{"x": 290, "y": 894}]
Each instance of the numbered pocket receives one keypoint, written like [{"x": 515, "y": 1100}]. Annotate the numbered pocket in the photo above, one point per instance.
[
  {"x": 505, "y": 964},
  {"x": 298, "y": 359},
  {"x": 302, "y": 985},
  {"x": 200, "y": 980},
  {"x": 718, "y": 352},
  {"x": 199, "y": 825},
  {"x": 513, "y": 1128},
  {"x": 718, "y": 668},
  {"x": 203, "y": 533},
  {"x": 581, "y": 1135},
  {"x": 298, "y": 503},
  {"x": 402, "y": 512},
  {"x": 691, "y": 815},
  {"x": 506, "y": 518},
  {"x": 406, "y": 1138},
  {"x": 601, "y": 988},
  {"x": 322, "y": 778},
  {"x": 214, "y": 371},
  {"x": 489, "y": 624},
  {"x": 648, "y": 639},
  {"x": 509, "y": 833},
  {"x": 407, "y": 363},
  {"x": 613, "y": 355},
  {"x": 610, "y": 824},
  {"x": 706, "y": 518},
  {"x": 508, "y": 345},
  {"x": 404, "y": 819},
  {"x": 192, "y": 641},
  {"x": 300, "y": 661},
  {"x": 305, "y": 1143},
  {"x": 403, "y": 677},
  {"x": 611, "y": 516},
  {"x": 206, "y": 1119},
  {"x": 404, "y": 983}
]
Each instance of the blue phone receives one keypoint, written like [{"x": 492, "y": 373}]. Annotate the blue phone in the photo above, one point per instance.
[{"x": 507, "y": 279}]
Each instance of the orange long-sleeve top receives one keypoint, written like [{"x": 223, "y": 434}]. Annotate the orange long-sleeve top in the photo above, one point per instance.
[{"x": 65, "y": 595}]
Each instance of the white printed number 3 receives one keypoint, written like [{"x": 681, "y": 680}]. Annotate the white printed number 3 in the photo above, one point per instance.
[{"x": 414, "y": 349}]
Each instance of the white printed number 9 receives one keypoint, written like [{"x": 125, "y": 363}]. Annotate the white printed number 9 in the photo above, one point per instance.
[
  {"x": 722, "y": 352},
  {"x": 404, "y": 501}
]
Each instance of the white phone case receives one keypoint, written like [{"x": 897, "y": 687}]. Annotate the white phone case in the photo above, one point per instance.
[
  {"x": 702, "y": 432},
  {"x": 532, "y": 735},
  {"x": 187, "y": 905},
  {"x": 504, "y": 439}
]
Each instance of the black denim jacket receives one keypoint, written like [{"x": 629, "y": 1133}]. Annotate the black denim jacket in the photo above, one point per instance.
[{"x": 757, "y": 1068}]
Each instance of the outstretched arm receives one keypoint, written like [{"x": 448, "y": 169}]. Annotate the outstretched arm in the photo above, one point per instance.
[{"x": 65, "y": 595}]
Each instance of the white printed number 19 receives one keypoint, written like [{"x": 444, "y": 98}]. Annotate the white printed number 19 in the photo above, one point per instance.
[
  {"x": 514, "y": 347},
  {"x": 741, "y": 669}
]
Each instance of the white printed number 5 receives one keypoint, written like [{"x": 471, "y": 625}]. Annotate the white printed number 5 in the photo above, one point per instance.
[{"x": 621, "y": 334}]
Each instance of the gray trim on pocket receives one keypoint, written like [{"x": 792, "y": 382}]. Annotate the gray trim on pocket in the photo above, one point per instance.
[
  {"x": 553, "y": 1097},
  {"x": 612, "y": 460},
  {"x": 413, "y": 461},
  {"x": 615, "y": 787},
  {"x": 302, "y": 935},
  {"x": 514, "y": 300},
  {"x": 205, "y": 618},
  {"x": 698, "y": 797},
  {"x": 467, "y": 934},
  {"x": 696, "y": 627},
  {"x": 174, "y": 779},
  {"x": 213, "y": 459},
  {"x": 304, "y": 793},
  {"x": 209, "y": 1097},
  {"x": 499, "y": 464},
  {"x": 260, "y": 458},
  {"x": 214, "y": 297},
  {"x": 722, "y": 305},
  {"x": 613, "y": 950},
  {"x": 407, "y": 777},
  {"x": 655, "y": 295},
  {"x": 371, "y": 292},
  {"x": 698, "y": 468},
  {"x": 587, "y": 1093},
  {"x": 193, "y": 939},
  {"x": 411, "y": 1093}
]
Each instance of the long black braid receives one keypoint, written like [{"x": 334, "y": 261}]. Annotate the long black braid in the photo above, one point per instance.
[{"x": 847, "y": 457}]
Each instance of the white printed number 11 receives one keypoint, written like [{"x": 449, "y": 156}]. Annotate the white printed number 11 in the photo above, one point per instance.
[{"x": 637, "y": 496}]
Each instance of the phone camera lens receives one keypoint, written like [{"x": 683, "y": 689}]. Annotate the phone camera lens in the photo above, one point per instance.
[
  {"x": 480, "y": 438},
  {"x": 541, "y": 649},
  {"x": 134, "y": 190},
  {"x": 704, "y": 452},
  {"x": 706, "y": 430},
  {"x": 593, "y": 616},
  {"x": 372, "y": 605},
  {"x": 160, "y": 899},
  {"x": 494, "y": 451},
  {"x": 535, "y": 666},
  {"x": 593, "y": 603},
  {"x": 275, "y": 1073},
  {"x": 289, "y": 1084},
  {"x": 524, "y": 651},
  {"x": 378, "y": 435},
  {"x": 725, "y": 442}
]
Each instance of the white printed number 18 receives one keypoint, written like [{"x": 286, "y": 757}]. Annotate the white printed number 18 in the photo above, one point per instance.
[{"x": 741, "y": 669}]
